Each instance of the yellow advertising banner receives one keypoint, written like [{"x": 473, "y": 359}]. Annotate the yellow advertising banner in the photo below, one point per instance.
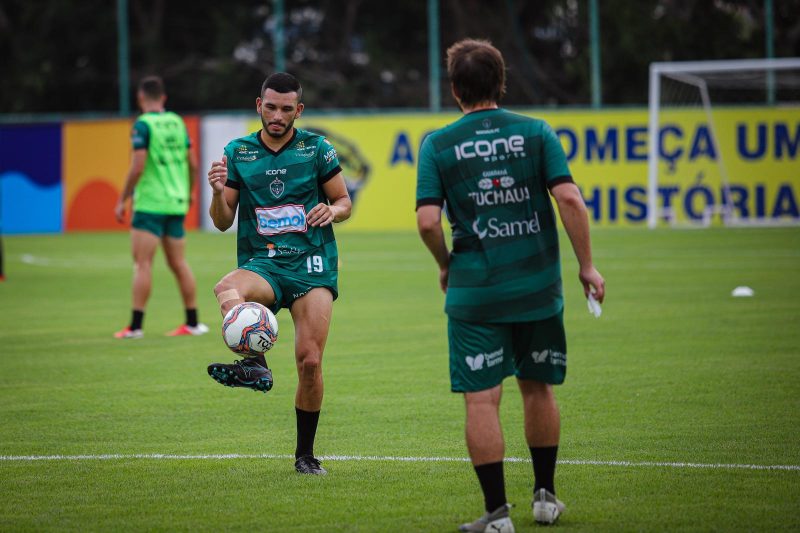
[{"x": 758, "y": 149}]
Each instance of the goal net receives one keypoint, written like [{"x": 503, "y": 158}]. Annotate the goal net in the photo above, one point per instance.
[{"x": 724, "y": 143}]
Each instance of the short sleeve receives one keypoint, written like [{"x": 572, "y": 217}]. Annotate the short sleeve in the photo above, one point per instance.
[
  {"x": 556, "y": 169},
  {"x": 140, "y": 135},
  {"x": 234, "y": 179},
  {"x": 429, "y": 181},
  {"x": 328, "y": 161}
]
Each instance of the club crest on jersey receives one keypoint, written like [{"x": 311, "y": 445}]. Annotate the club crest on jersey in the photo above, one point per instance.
[{"x": 276, "y": 187}]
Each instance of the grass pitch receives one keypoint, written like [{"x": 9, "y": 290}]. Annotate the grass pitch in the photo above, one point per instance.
[{"x": 676, "y": 401}]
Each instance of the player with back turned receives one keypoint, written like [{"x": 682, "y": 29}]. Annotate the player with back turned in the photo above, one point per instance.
[
  {"x": 287, "y": 187},
  {"x": 496, "y": 171},
  {"x": 162, "y": 170}
]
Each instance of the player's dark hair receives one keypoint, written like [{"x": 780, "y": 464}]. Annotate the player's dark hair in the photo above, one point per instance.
[
  {"x": 152, "y": 87},
  {"x": 283, "y": 82},
  {"x": 477, "y": 71}
]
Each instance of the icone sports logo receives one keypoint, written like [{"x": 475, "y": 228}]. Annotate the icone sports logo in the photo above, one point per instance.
[
  {"x": 281, "y": 219},
  {"x": 501, "y": 148},
  {"x": 276, "y": 172},
  {"x": 498, "y": 228}
]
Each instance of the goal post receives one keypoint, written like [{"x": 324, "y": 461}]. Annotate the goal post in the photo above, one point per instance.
[{"x": 707, "y": 95}]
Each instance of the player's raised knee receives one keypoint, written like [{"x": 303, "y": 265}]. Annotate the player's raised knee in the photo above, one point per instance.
[{"x": 309, "y": 364}]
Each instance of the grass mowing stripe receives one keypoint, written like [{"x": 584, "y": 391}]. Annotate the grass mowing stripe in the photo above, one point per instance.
[{"x": 579, "y": 462}]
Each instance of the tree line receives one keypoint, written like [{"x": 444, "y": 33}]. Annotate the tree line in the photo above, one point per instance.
[{"x": 61, "y": 56}]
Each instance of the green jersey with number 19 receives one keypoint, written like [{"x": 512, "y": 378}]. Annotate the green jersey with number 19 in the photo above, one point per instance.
[
  {"x": 492, "y": 170},
  {"x": 276, "y": 192}
]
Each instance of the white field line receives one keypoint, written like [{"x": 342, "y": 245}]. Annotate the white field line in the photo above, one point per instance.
[{"x": 587, "y": 462}]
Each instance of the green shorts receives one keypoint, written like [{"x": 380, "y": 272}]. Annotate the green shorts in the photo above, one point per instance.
[
  {"x": 288, "y": 288},
  {"x": 482, "y": 355},
  {"x": 159, "y": 225}
]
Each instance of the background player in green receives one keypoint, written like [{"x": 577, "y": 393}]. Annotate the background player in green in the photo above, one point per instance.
[
  {"x": 495, "y": 171},
  {"x": 287, "y": 187},
  {"x": 160, "y": 179}
]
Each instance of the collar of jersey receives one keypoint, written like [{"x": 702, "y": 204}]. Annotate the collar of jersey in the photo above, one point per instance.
[{"x": 282, "y": 148}]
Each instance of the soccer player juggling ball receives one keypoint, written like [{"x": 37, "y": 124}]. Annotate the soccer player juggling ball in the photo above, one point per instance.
[
  {"x": 288, "y": 189},
  {"x": 496, "y": 171}
]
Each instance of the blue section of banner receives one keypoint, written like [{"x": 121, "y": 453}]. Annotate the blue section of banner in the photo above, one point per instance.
[{"x": 31, "y": 196}]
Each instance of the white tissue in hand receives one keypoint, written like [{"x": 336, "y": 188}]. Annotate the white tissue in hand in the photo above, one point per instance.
[{"x": 594, "y": 306}]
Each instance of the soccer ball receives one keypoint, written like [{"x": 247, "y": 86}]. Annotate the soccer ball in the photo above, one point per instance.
[{"x": 250, "y": 329}]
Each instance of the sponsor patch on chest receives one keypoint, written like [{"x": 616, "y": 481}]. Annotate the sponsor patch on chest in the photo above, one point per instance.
[{"x": 281, "y": 219}]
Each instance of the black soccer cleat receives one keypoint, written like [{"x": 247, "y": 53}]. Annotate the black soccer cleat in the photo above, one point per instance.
[
  {"x": 245, "y": 373},
  {"x": 308, "y": 464}
]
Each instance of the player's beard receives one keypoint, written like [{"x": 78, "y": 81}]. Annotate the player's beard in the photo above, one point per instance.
[{"x": 273, "y": 134}]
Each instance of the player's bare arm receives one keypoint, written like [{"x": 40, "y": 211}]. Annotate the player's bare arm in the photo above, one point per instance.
[
  {"x": 223, "y": 199},
  {"x": 134, "y": 173},
  {"x": 339, "y": 206},
  {"x": 576, "y": 222},
  {"x": 429, "y": 224}
]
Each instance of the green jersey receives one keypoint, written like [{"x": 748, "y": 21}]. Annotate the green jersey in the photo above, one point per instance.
[
  {"x": 164, "y": 186},
  {"x": 276, "y": 191},
  {"x": 492, "y": 170}
]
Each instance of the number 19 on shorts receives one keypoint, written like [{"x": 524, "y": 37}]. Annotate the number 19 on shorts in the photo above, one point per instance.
[{"x": 314, "y": 263}]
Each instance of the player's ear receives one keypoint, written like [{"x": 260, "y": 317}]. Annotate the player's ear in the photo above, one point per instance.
[
  {"x": 299, "y": 112},
  {"x": 454, "y": 92},
  {"x": 258, "y": 104}
]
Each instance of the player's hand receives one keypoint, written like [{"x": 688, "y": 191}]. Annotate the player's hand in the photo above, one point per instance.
[
  {"x": 320, "y": 215},
  {"x": 119, "y": 212},
  {"x": 593, "y": 283},
  {"x": 218, "y": 175},
  {"x": 444, "y": 275}
]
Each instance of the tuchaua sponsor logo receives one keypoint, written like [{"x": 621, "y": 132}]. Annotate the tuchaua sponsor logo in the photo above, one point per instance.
[
  {"x": 495, "y": 228},
  {"x": 497, "y": 149},
  {"x": 497, "y": 189}
]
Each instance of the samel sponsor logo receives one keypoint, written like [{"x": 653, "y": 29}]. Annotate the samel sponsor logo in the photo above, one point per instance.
[
  {"x": 497, "y": 149},
  {"x": 495, "y": 228},
  {"x": 281, "y": 219}
]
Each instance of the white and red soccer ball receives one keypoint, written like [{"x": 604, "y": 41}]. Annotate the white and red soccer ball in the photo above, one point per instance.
[{"x": 250, "y": 329}]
